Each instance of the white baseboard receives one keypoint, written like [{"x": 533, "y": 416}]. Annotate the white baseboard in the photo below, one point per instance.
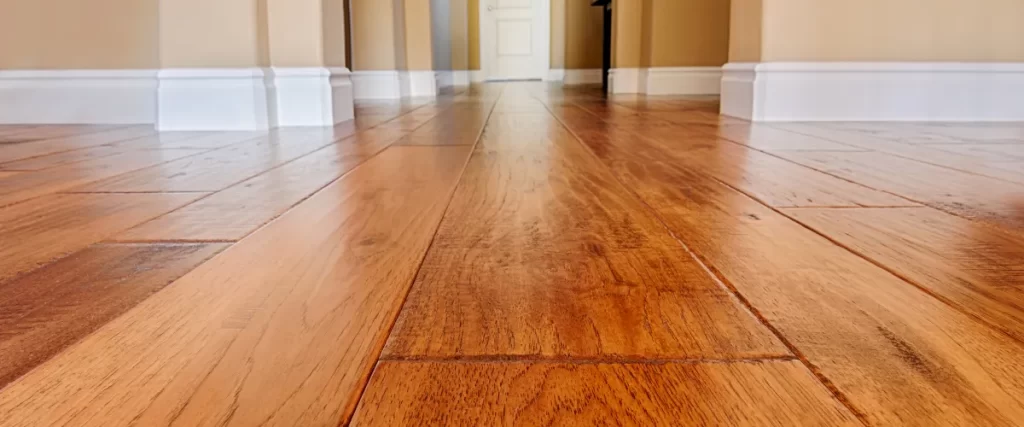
[
  {"x": 461, "y": 77},
  {"x": 666, "y": 80},
  {"x": 376, "y": 84},
  {"x": 445, "y": 79},
  {"x": 627, "y": 80},
  {"x": 477, "y": 76},
  {"x": 582, "y": 76},
  {"x": 78, "y": 96},
  {"x": 684, "y": 81},
  {"x": 555, "y": 75},
  {"x": 312, "y": 96},
  {"x": 215, "y": 99},
  {"x": 420, "y": 84},
  {"x": 393, "y": 84},
  {"x": 874, "y": 91}
]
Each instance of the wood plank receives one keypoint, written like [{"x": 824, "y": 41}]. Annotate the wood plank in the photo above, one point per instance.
[
  {"x": 770, "y": 179},
  {"x": 16, "y": 133},
  {"x": 41, "y": 230},
  {"x": 988, "y": 152},
  {"x": 457, "y": 126},
  {"x": 977, "y": 268},
  {"x": 61, "y": 159},
  {"x": 43, "y": 312},
  {"x": 14, "y": 152},
  {"x": 945, "y": 189},
  {"x": 282, "y": 328},
  {"x": 193, "y": 140},
  {"x": 896, "y": 353},
  {"x": 218, "y": 169},
  {"x": 978, "y": 162},
  {"x": 543, "y": 254},
  {"x": 544, "y": 394},
  {"x": 235, "y": 212},
  {"x": 768, "y": 138},
  {"x": 6, "y": 174},
  {"x": 30, "y": 185}
]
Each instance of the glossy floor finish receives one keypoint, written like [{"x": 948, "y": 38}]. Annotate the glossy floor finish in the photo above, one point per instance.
[{"x": 514, "y": 255}]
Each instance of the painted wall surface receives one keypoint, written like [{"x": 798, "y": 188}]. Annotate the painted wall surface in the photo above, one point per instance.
[
  {"x": 745, "y": 31},
  {"x": 687, "y": 33},
  {"x": 583, "y": 29},
  {"x": 441, "y": 34},
  {"x": 373, "y": 35},
  {"x": 229, "y": 33},
  {"x": 73, "y": 34},
  {"x": 893, "y": 30},
  {"x": 295, "y": 32},
  {"x": 418, "y": 38},
  {"x": 458, "y": 25}
]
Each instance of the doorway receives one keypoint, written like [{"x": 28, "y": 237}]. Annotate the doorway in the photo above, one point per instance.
[{"x": 515, "y": 39}]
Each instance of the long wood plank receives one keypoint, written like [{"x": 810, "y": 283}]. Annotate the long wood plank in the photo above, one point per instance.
[
  {"x": 544, "y": 394},
  {"x": 764, "y": 137},
  {"x": 456, "y": 126},
  {"x": 978, "y": 268},
  {"x": 992, "y": 164},
  {"x": 280, "y": 329},
  {"x": 235, "y": 212},
  {"x": 24, "y": 133},
  {"x": 198, "y": 140},
  {"x": 221, "y": 168},
  {"x": 41, "y": 230},
  {"x": 30, "y": 185},
  {"x": 543, "y": 255},
  {"x": 775, "y": 181},
  {"x": 899, "y": 355},
  {"x": 43, "y": 312},
  {"x": 961, "y": 193},
  {"x": 7, "y": 174},
  {"x": 13, "y": 152}
]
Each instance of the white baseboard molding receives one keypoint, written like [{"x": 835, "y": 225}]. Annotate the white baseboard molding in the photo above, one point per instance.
[
  {"x": 445, "y": 79},
  {"x": 312, "y": 96},
  {"x": 582, "y": 76},
  {"x": 78, "y": 96},
  {"x": 420, "y": 84},
  {"x": 376, "y": 84},
  {"x": 393, "y": 84},
  {"x": 215, "y": 99},
  {"x": 253, "y": 98},
  {"x": 555, "y": 75},
  {"x": 477, "y": 76},
  {"x": 461, "y": 78},
  {"x": 666, "y": 80},
  {"x": 865, "y": 91},
  {"x": 627, "y": 80}
]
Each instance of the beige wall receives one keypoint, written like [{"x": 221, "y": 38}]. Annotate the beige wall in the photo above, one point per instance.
[
  {"x": 459, "y": 31},
  {"x": 373, "y": 35},
  {"x": 295, "y": 32},
  {"x": 893, "y": 30},
  {"x": 689, "y": 33},
  {"x": 583, "y": 27},
  {"x": 745, "y": 31},
  {"x": 227, "y": 33},
  {"x": 71, "y": 34},
  {"x": 418, "y": 49}
]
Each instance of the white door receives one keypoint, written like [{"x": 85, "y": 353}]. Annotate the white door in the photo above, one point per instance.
[{"x": 514, "y": 38}]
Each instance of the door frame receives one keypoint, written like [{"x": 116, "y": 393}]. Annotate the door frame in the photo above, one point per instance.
[{"x": 485, "y": 28}]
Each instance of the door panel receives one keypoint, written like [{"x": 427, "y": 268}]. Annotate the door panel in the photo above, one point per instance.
[{"x": 514, "y": 39}]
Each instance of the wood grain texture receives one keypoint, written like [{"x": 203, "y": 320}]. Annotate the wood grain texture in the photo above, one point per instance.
[
  {"x": 193, "y": 140},
  {"x": 43, "y": 312},
  {"x": 975, "y": 267},
  {"x": 19, "y": 133},
  {"x": 47, "y": 228},
  {"x": 11, "y": 152},
  {"x": 953, "y": 191},
  {"x": 30, "y": 185},
  {"x": 221, "y": 168},
  {"x": 8, "y": 174},
  {"x": 543, "y": 254},
  {"x": 775, "y": 181},
  {"x": 897, "y": 354},
  {"x": 456, "y": 126},
  {"x": 993, "y": 164},
  {"x": 765, "y": 137},
  {"x": 989, "y": 152},
  {"x": 550, "y": 394},
  {"x": 282, "y": 328},
  {"x": 238, "y": 210}
]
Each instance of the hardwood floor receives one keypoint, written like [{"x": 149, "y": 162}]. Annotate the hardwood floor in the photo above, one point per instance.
[{"x": 514, "y": 254}]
